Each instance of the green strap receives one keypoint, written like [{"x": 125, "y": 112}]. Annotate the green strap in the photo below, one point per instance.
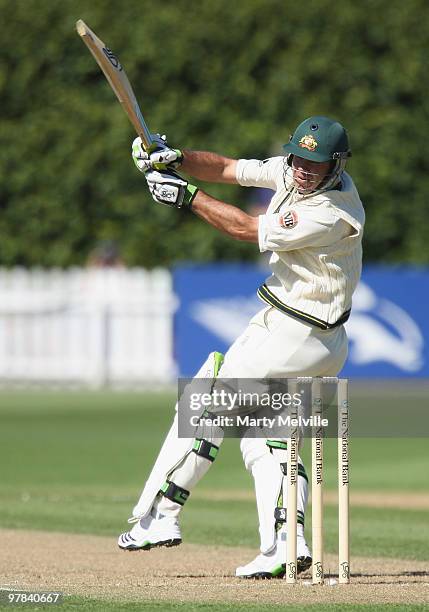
[
  {"x": 277, "y": 444},
  {"x": 174, "y": 492},
  {"x": 190, "y": 193},
  {"x": 218, "y": 361},
  {"x": 205, "y": 449}
]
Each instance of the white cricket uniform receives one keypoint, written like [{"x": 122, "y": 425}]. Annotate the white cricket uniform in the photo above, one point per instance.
[
  {"x": 315, "y": 242},
  {"x": 316, "y": 263}
]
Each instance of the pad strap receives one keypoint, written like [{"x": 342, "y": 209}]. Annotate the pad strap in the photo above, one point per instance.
[
  {"x": 280, "y": 516},
  {"x": 174, "y": 492},
  {"x": 276, "y": 444},
  {"x": 205, "y": 449}
]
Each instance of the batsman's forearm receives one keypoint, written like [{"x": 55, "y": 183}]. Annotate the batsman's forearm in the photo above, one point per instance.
[
  {"x": 226, "y": 218},
  {"x": 210, "y": 167}
]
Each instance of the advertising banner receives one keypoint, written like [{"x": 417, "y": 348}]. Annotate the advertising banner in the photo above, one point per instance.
[{"x": 388, "y": 329}]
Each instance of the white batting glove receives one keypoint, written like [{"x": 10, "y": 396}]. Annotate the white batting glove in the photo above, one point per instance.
[
  {"x": 140, "y": 157},
  {"x": 162, "y": 157},
  {"x": 170, "y": 189}
]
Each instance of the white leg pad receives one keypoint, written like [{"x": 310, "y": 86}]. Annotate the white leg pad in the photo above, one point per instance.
[
  {"x": 269, "y": 483},
  {"x": 186, "y": 475},
  {"x": 173, "y": 453},
  {"x": 302, "y": 489},
  {"x": 268, "y": 479}
]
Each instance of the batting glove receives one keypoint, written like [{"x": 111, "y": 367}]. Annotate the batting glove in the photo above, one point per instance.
[
  {"x": 162, "y": 157},
  {"x": 170, "y": 189}
]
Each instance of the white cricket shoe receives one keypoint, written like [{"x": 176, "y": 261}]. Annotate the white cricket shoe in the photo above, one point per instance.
[
  {"x": 263, "y": 566},
  {"x": 273, "y": 564},
  {"x": 150, "y": 532}
]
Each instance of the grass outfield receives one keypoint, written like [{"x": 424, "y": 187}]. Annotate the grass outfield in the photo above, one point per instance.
[{"x": 76, "y": 462}]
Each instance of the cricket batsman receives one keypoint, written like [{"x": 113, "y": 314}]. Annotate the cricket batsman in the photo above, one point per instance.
[{"x": 313, "y": 229}]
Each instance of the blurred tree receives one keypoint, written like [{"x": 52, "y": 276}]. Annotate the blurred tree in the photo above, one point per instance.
[{"x": 229, "y": 77}]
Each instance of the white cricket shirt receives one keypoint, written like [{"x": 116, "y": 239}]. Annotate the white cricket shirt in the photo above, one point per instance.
[{"x": 316, "y": 241}]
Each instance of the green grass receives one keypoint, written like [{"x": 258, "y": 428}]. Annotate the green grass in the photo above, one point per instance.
[
  {"x": 74, "y": 603},
  {"x": 76, "y": 462}
]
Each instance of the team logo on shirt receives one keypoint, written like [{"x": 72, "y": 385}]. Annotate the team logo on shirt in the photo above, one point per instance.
[
  {"x": 289, "y": 219},
  {"x": 308, "y": 142}
]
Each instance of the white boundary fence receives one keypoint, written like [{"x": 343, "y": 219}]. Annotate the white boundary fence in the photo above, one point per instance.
[{"x": 91, "y": 327}]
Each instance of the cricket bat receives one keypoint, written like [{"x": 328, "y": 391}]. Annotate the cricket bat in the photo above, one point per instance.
[{"x": 118, "y": 80}]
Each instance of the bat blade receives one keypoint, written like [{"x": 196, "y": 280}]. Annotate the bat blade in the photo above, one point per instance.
[{"x": 118, "y": 81}]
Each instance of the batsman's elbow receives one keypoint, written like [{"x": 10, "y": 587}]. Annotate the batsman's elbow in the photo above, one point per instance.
[{"x": 247, "y": 232}]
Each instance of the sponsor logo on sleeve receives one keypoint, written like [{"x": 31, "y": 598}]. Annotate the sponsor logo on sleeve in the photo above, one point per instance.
[{"x": 289, "y": 219}]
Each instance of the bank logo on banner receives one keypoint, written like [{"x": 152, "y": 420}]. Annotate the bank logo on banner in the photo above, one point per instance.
[{"x": 379, "y": 330}]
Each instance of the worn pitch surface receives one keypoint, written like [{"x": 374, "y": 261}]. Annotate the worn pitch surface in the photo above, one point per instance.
[{"x": 92, "y": 566}]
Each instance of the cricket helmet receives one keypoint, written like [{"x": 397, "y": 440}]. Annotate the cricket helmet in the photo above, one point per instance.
[{"x": 319, "y": 139}]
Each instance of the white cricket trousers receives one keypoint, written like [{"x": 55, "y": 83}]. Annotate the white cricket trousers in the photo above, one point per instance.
[{"x": 275, "y": 345}]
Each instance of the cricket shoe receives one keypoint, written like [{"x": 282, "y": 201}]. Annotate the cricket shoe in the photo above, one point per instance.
[
  {"x": 150, "y": 532},
  {"x": 273, "y": 564}
]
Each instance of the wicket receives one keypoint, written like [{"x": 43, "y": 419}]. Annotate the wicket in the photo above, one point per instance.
[
  {"x": 292, "y": 496},
  {"x": 317, "y": 485}
]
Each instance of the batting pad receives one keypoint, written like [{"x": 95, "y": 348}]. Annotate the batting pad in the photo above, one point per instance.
[{"x": 174, "y": 450}]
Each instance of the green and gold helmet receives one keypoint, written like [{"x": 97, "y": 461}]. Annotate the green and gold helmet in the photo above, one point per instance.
[{"x": 319, "y": 139}]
